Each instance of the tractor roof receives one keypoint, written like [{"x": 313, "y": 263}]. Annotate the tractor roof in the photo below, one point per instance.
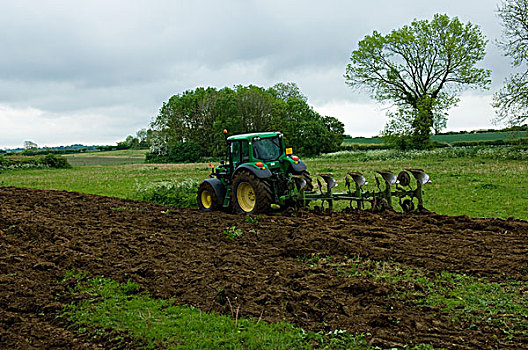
[{"x": 252, "y": 135}]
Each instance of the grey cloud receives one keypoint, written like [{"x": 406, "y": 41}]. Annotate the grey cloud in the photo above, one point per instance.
[{"x": 127, "y": 57}]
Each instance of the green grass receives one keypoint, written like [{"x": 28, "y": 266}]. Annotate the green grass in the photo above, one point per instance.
[
  {"x": 479, "y": 182},
  {"x": 108, "y": 305},
  {"x": 108, "y": 180},
  {"x": 503, "y": 306}
]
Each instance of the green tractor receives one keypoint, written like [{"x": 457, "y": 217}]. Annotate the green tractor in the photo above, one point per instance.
[
  {"x": 261, "y": 171},
  {"x": 257, "y": 175}
]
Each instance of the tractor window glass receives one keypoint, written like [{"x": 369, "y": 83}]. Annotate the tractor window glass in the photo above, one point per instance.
[
  {"x": 245, "y": 151},
  {"x": 235, "y": 152},
  {"x": 267, "y": 149}
]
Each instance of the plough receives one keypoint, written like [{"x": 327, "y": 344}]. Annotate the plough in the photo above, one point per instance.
[{"x": 395, "y": 186}]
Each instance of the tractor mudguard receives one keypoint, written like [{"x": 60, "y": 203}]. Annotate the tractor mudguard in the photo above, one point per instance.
[
  {"x": 298, "y": 166},
  {"x": 219, "y": 188},
  {"x": 260, "y": 172}
]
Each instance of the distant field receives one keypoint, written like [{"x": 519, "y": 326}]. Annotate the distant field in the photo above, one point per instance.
[
  {"x": 136, "y": 153},
  {"x": 364, "y": 140},
  {"x": 127, "y": 156},
  {"x": 462, "y": 185},
  {"x": 485, "y": 136}
]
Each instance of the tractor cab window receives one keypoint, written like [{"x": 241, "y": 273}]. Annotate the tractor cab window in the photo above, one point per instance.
[
  {"x": 235, "y": 152},
  {"x": 239, "y": 152},
  {"x": 244, "y": 154},
  {"x": 267, "y": 149}
]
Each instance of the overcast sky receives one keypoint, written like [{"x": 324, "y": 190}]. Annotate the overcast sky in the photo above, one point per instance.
[{"x": 93, "y": 72}]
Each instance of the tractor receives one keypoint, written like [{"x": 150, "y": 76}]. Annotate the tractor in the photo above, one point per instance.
[
  {"x": 262, "y": 171},
  {"x": 255, "y": 177}
]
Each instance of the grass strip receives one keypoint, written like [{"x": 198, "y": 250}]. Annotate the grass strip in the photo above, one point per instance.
[
  {"x": 467, "y": 299},
  {"x": 108, "y": 305}
]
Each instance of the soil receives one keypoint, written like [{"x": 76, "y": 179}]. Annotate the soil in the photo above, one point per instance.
[{"x": 183, "y": 254}]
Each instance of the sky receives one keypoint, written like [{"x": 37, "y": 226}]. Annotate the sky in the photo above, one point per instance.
[{"x": 93, "y": 72}]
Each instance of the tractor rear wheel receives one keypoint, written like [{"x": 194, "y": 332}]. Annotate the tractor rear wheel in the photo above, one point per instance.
[
  {"x": 206, "y": 197},
  {"x": 250, "y": 195}
]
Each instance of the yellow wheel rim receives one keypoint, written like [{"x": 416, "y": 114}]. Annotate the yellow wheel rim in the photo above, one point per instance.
[
  {"x": 245, "y": 197},
  {"x": 207, "y": 199}
]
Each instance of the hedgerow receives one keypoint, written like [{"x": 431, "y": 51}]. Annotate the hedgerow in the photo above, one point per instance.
[{"x": 24, "y": 162}]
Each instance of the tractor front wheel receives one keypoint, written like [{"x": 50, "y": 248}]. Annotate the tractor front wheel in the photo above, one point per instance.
[
  {"x": 206, "y": 197},
  {"x": 250, "y": 195}
]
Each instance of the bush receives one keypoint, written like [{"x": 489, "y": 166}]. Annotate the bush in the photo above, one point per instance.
[
  {"x": 185, "y": 152},
  {"x": 25, "y": 162},
  {"x": 53, "y": 161},
  {"x": 173, "y": 193},
  {"x": 513, "y": 142},
  {"x": 181, "y": 152},
  {"x": 156, "y": 158},
  {"x": 38, "y": 152},
  {"x": 363, "y": 147}
]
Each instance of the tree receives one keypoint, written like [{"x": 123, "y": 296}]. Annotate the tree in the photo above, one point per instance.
[
  {"x": 141, "y": 136},
  {"x": 420, "y": 68},
  {"x": 200, "y": 115},
  {"x": 188, "y": 116},
  {"x": 285, "y": 91},
  {"x": 255, "y": 108},
  {"x": 305, "y": 130},
  {"x": 30, "y": 145},
  {"x": 511, "y": 102}
]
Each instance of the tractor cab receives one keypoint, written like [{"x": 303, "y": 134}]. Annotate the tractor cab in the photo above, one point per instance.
[{"x": 251, "y": 148}]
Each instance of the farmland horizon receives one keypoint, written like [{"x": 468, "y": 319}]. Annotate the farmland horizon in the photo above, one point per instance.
[{"x": 14, "y": 148}]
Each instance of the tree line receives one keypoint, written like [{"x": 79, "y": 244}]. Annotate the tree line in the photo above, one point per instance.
[{"x": 194, "y": 120}]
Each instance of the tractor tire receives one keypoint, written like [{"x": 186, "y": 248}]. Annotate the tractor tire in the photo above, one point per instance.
[
  {"x": 206, "y": 197},
  {"x": 250, "y": 195}
]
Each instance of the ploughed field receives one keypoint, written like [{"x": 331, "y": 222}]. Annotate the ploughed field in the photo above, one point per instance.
[{"x": 315, "y": 271}]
